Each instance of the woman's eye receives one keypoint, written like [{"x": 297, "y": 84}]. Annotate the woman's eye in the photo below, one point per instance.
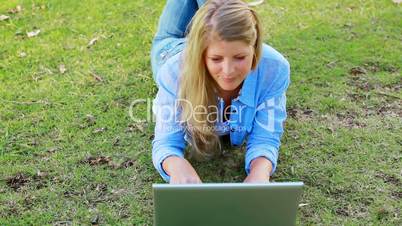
[
  {"x": 240, "y": 58},
  {"x": 216, "y": 59}
]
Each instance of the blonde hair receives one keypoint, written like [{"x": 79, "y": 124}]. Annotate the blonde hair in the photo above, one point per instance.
[{"x": 228, "y": 20}]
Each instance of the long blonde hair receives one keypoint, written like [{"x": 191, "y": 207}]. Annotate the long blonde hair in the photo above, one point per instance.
[{"x": 229, "y": 20}]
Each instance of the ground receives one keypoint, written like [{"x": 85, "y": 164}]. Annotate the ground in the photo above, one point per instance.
[{"x": 71, "y": 154}]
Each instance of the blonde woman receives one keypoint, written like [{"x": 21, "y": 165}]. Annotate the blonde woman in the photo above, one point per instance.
[{"x": 218, "y": 83}]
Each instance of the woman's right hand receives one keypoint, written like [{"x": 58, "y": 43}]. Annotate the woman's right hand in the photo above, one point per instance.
[{"x": 180, "y": 171}]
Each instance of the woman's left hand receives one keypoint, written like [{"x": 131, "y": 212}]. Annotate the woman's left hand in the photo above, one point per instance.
[
  {"x": 260, "y": 170},
  {"x": 257, "y": 178}
]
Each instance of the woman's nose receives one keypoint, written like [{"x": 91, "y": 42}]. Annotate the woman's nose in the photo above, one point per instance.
[{"x": 227, "y": 68}]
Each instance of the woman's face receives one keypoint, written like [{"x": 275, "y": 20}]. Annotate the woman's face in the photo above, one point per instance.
[{"x": 229, "y": 62}]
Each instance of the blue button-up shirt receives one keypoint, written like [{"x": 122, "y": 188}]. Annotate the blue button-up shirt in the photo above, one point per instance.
[{"x": 257, "y": 114}]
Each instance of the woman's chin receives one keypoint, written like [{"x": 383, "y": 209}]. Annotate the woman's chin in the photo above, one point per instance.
[{"x": 228, "y": 87}]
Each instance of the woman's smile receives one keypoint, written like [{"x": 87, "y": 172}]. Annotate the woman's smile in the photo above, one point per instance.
[{"x": 229, "y": 79}]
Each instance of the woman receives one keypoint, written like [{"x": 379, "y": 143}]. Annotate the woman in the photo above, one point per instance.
[{"x": 217, "y": 83}]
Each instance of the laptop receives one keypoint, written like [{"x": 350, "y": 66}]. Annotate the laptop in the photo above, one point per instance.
[{"x": 232, "y": 204}]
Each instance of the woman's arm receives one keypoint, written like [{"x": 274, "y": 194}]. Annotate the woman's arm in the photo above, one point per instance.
[
  {"x": 264, "y": 139},
  {"x": 260, "y": 169},
  {"x": 168, "y": 144}
]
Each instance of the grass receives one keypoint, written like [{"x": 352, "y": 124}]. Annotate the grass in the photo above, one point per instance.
[{"x": 70, "y": 154}]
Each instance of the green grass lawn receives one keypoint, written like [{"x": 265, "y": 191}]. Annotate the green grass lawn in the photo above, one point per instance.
[{"x": 70, "y": 154}]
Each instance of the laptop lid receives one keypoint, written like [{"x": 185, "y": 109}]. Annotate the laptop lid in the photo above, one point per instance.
[{"x": 233, "y": 204}]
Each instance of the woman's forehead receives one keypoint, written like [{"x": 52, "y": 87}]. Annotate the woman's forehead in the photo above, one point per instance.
[{"x": 222, "y": 47}]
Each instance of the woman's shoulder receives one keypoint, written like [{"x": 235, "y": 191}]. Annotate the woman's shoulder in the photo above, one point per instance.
[
  {"x": 271, "y": 55},
  {"x": 273, "y": 72}
]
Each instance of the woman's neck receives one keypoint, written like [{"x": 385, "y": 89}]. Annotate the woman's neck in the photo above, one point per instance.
[{"x": 228, "y": 95}]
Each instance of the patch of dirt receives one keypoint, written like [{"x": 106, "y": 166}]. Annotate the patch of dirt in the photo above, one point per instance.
[
  {"x": 69, "y": 193},
  {"x": 29, "y": 201},
  {"x": 377, "y": 66},
  {"x": 343, "y": 211},
  {"x": 127, "y": 163},
  {"x": 41, "y": 179},
  {"x": 358, "y": 96},
  {"x": 135, "y": 127},
  {"x": 387, "y": 103},
  {"x": 18, "y": 181},
  {"x": 107, "y": 160},
  {"x": 342, "y": 120},
  {"x": 390, "y": 109},
  {"x": 300, "y": 114},
  {"x": 357, "y": 71},
  {"x": 343, "y": 196},
  {"x": 384, "y": 109},
  {"x": 100, "y": 187},
  {"x": 124, "y": 211},
  {"x": 92, "y": 194},
  {"x": 11, "y": 208},
  {"x": 339, "y": 193},
  {"x": 373, "y": 67},
  {"x": 99, "y": 160},
  {"x": 394, "y": 87},
  {"x": 396, "y": 194},
  {"x": 389, "y": 179},
  {"x": 349, "y": 120},
  {"x": 361, "y": 82}
]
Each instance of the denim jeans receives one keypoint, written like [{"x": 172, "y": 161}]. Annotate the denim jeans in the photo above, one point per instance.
[{"x": 170, "y": 36}]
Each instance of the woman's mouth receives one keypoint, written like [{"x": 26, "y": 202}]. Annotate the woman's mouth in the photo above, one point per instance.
[{"x": 228, "y": 80}]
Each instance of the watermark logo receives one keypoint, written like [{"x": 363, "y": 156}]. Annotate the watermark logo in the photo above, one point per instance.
[
  {"x": 266, "y": 115},
  {"x": 146, "y": 110}
]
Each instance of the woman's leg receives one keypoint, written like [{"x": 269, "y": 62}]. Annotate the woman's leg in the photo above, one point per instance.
[{"x": 172, "y": 26}]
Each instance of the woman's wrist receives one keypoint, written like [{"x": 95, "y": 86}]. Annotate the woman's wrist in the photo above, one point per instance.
[
  {"x": 169, "y": 163},
  {"x": 261, "y": 165}
]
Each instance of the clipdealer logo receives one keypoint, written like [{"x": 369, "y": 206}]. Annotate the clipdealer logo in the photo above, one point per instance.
[{"x": 169, "y": 113}]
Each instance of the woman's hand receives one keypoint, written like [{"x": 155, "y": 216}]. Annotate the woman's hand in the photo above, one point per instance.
[
  {"x": 180, "y": 171},
  {"x": 260, "y": 170},
  {"x": 257, "y": 178}
]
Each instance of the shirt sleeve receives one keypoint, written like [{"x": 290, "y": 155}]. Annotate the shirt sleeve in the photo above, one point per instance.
[
  {"x": 169, "y": 134},
  {"x": 264, "y": 139}
]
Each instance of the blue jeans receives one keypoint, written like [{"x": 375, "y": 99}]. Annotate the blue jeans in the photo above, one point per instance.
[{"x": 170, "y": 37}]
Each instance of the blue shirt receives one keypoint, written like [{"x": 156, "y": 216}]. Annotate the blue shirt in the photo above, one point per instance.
[
  {"x": 257, "y": 114},
  {"x": 222, "y": 127}
]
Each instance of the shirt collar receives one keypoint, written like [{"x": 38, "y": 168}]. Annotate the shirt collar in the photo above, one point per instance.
[{"x": 247, "y": 92}]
